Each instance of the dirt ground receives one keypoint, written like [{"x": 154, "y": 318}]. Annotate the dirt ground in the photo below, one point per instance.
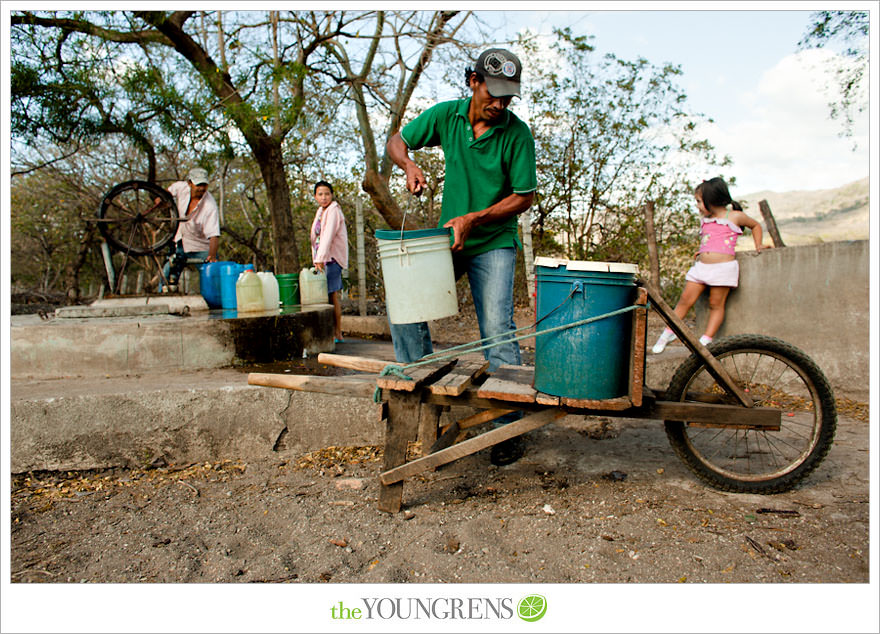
[{"x": 594, "y": 500}]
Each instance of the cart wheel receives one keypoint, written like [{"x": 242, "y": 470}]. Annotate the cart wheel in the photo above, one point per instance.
[
  {"x": 774, "y": 374},
  {"x": 131, "y": 222}
]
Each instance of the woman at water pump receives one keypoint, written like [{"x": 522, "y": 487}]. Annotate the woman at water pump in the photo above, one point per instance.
[{"x": 330, "y": 247}]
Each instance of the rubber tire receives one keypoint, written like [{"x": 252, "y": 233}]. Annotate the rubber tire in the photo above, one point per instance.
[
  {"x": 156, "y": 191},
  {"x": 823, "y": 401}
]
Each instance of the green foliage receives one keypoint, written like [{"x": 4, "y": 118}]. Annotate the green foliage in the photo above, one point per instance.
[
  {"x": 610, "y": 135},
  {"x": 846, "y": 32}
]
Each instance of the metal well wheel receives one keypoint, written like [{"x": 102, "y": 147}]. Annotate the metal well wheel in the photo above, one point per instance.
[
  {"x": 132, "y": 222},
  {"x": 775, "y": 374}
]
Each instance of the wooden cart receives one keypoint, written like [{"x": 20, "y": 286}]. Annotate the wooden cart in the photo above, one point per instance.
[{"x": 749, "y": 413}]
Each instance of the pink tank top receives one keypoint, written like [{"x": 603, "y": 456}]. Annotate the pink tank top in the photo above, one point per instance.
[{"x": 718, "y": 235}]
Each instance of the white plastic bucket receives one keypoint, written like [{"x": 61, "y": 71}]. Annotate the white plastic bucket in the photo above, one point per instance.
[{"x": 418, "y": 275}]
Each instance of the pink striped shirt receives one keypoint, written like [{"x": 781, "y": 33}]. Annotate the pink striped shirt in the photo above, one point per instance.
[{"x": 331, "y": 243}]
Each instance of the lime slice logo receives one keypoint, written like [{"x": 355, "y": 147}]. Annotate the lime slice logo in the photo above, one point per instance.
[{"x": 532, "y": 607}]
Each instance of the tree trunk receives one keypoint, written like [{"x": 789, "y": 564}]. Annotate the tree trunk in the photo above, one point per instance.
[
  {"x": 71, "y": 271},
  {"x": 266, "y": 149},
  {"x": 284, "y": 249},
  {"x": 651, "y": 237}
]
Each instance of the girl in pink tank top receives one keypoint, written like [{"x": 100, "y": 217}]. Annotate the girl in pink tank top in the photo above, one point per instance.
[{"x": 721, "y": 223}]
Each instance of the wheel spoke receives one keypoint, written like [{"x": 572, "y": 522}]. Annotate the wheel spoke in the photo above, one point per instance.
[{"x": 775, "y": 375}]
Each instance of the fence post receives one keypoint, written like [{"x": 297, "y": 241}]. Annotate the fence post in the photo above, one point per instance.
[
  {"x": 770, "y": 223},
  {"x": 525, "y": 221},
  {"x": 361, "y": 258}
]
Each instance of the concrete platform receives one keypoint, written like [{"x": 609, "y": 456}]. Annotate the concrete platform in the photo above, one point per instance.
[
  {"x": 171, "y": 334},
  {"x": 178, "y": 415}
]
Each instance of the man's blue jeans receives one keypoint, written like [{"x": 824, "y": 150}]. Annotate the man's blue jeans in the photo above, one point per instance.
[
  {"x": 491, "y": 279},
  {"x": 176, "y": 263}
]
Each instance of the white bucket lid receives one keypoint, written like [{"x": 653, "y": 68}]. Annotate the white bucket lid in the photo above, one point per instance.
[{"x": 582, "y": 265}]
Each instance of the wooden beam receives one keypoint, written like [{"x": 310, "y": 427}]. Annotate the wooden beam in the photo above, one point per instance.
[
  {"x": 510, "y": 383},
  {"x": 401, "y": 426},
  {"x": 459, "y": 378},
  {"x": 470, "y": 446},
  {"x": 482, "y": 417},
  {"x": 614, "y": 404},
  {"x": 637, "y": 352},
  {"x": 418, "y": 375},
  {"x": 693, "y": 344},
  {"x": 429, "y": 422},
  {"x": 353, "y": 363},
  {"x": 361, "y": 386},
  {"x": 766, "y": 418}
]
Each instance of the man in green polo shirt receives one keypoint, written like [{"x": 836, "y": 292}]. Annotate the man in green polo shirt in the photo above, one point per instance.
[{"x": 490, "y": 180}]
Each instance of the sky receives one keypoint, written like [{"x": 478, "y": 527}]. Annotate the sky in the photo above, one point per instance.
[{"x": 742, "y": 69}]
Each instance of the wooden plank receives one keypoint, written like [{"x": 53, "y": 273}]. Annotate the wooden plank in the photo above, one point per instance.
[
  {"x": 472, "y": 445},
  {"x": 482, "y": 417},
  {"x": 693, "y": 344},
  {"x": 510, "y": 383},
  {"x": 718, "y": 415},
  {"x": 363, "y": 364},
  {"x": 419, "y": 375},
  {"x": 637, "y": 354},
  {"x": 361, "y": 386},
  {"x": 612, "y": 404},
  {"x": 546, "y": 399},
  {"x": 400, "y": 427},
  {"x": 459, "y": 378},
  {"x": 447, "y": 439},
  {"x": 429, "y": 422}
]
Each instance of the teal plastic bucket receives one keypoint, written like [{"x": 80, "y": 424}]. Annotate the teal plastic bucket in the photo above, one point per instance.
[
  {"x": 418, "y": 275},
  {"x": 590, "y": 361}
]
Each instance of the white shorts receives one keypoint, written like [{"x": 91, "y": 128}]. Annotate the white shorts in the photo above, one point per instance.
[{"x": 720, "y": 274}]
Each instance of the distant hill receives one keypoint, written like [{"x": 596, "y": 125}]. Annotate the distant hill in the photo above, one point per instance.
[{"x": 806, "y": 217}]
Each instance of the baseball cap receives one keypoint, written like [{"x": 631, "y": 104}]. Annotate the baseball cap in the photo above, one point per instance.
[
  {"x": 501, "y": 69},
  {"x": 197, "y": 176}
]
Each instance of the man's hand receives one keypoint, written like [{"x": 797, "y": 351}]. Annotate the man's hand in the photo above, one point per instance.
[
  {"x": 461, "y": 229},
  {"x": 415, "y": 179}
]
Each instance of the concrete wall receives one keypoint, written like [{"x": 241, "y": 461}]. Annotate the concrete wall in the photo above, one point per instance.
[
  {"x": 125, "y": 345},
  {"x": 182, "y": 426},
  {"x": 815, "y": 297}
]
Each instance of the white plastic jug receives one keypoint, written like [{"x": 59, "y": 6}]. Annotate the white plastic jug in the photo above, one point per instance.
[
  {"x": 249, "y": 292},
  {"x": 312, "y": 287},
  {"x": 271, "y": 295}
]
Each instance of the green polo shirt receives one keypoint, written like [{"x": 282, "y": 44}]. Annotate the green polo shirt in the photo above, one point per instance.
[{"x": 479, "y": 172}]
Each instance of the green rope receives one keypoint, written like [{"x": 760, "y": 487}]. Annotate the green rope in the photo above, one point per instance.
[{"x": 478, "y": 345}]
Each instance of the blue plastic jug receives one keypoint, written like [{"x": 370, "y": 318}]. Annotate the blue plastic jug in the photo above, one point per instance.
[
  {"x": 229, "y": 272},
  {"x": 209, "y": 283}
]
